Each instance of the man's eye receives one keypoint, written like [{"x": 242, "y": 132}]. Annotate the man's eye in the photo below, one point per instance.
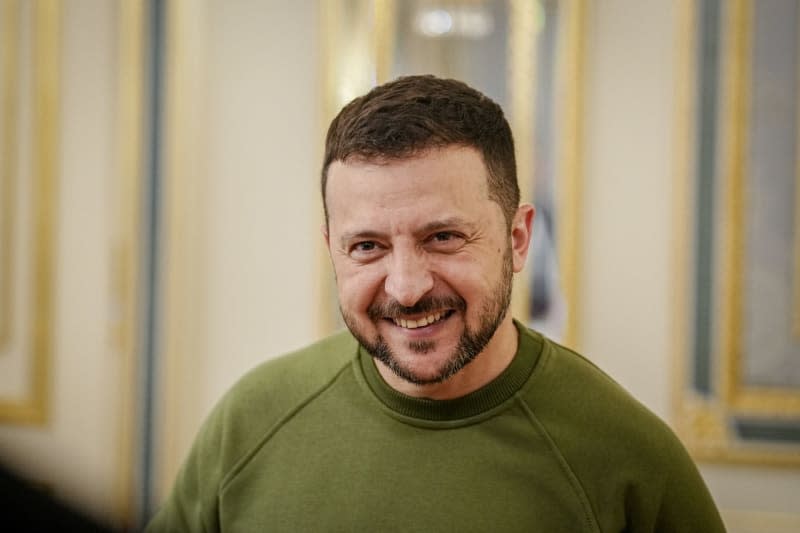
[
  {"x": 365, "y": 246},
  {"x": 445, "y": 241},
  {"x": 364, "y": 250}
]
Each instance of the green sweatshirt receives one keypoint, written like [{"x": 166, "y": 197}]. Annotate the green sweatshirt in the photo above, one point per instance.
[{"x": 317, "y": 441}]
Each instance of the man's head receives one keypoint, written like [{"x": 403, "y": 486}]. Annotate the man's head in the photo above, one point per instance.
[
  {"x": 414, "y": 113},
  {"x": 424, "y": 233}
]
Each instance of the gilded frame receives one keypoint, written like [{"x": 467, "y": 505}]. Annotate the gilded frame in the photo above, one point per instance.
[
  {"x": 729, "y": 420},
  {"x": 9, "y": 44},
  {"x": 370, "y": 30},
  {"x": 33, "y": 408},
  {"x": 127, "y": 245}
]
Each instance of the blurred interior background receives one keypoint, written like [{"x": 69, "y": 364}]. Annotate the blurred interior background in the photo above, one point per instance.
[{"x": 160, "y": 214}]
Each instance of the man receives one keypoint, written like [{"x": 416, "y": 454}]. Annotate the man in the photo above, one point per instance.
[{"x": 435, "y": 411}]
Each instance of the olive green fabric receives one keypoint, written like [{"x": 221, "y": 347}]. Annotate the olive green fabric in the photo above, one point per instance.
[{"x": 316, "y": 441}]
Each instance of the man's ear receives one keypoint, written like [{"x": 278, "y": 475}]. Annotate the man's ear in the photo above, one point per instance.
[{"x": 521, "y": 229}]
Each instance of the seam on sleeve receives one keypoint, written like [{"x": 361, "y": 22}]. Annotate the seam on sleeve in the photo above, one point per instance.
[
  {"x": 252, "y": 451},
  {"x": 580, "y": 492}
]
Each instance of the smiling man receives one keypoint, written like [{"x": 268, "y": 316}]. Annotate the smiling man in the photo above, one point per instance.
[
  {"x": 424, "y": 259},
  {"x": 435, "y": 411}
]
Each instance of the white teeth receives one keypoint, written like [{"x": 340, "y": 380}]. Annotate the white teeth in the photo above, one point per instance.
[{"x": 422, "y": 322}]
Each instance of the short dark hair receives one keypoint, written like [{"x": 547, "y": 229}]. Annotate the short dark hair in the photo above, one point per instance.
[{"x": 412, "y": 114}]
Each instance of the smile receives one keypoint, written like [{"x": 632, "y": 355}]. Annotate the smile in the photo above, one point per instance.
[{"x": 421, "y": 322}]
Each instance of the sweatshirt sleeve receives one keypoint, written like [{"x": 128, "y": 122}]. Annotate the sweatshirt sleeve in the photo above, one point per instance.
[
  {"x": 192, "y": 503},
  {"x": 680, "y": 504},
  {"x": 687, "y": 504},
  {"x": 239, "y": 424}
]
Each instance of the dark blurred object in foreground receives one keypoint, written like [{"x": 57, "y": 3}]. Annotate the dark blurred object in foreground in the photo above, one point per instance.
[{"x": 27, "y": 508}]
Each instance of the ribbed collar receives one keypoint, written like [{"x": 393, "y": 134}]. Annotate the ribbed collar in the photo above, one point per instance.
[{"x": 481, "y": 401}]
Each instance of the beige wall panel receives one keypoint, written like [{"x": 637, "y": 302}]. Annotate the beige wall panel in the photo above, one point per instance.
[
  {"x": 627, "y": 233},
  {"x": 75, "y": 452},
  {"x": 242, "y": 160},
  {"x": 263, "y": 159}
]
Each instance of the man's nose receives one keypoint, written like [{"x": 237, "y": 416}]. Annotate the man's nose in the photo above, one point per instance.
[{"x": 408, "y": 278}]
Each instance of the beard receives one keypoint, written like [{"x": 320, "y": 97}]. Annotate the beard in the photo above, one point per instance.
[{"x": 471, "y": 343}]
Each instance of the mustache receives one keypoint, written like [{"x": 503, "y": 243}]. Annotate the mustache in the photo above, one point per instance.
[{"x": 392, "y": 309}]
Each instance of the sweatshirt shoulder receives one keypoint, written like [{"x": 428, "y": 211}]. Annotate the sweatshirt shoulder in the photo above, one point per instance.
[
  {"x": 565, "y": 382},
  {"x": 630, "y": 464},
  {"x": 253, "y": 409},
  {"x": 576, "y": 402},
  {"x": 293, "y": 377},
  {"x": 269, "y": 394}
]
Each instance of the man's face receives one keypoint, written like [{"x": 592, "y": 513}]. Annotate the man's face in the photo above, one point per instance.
[{"x": 423, "y": 259}]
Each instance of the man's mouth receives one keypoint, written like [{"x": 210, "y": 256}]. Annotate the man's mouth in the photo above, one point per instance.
[{"x": 422, "y": 321}]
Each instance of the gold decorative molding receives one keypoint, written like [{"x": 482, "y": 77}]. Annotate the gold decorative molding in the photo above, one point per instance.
[
  {"x": 703, "y": 426},
  {"x": 9, "y": 48},
  {"x": 46, "y": 30},
  {"x": 735, "y": 123},
  {"x": 183, "y": 263},
  {"x": 570, "y": 79},
  {"x": 766, "y": 401},
  {"x": 522, "y": 67},
  {"x": 126, "y": 254},
  {"x": 707, "y": 423},
  {"x": 383, "y": 35}
]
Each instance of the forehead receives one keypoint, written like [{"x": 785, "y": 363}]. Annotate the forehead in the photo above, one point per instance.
[
  {"x": 442, "y": 183},
  {"x": 458, "y": 170}
]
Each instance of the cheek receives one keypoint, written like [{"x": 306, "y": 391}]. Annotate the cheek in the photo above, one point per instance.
[
  {"x": 464, "y": 274},
  {"x": 358, "y": 287}
]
